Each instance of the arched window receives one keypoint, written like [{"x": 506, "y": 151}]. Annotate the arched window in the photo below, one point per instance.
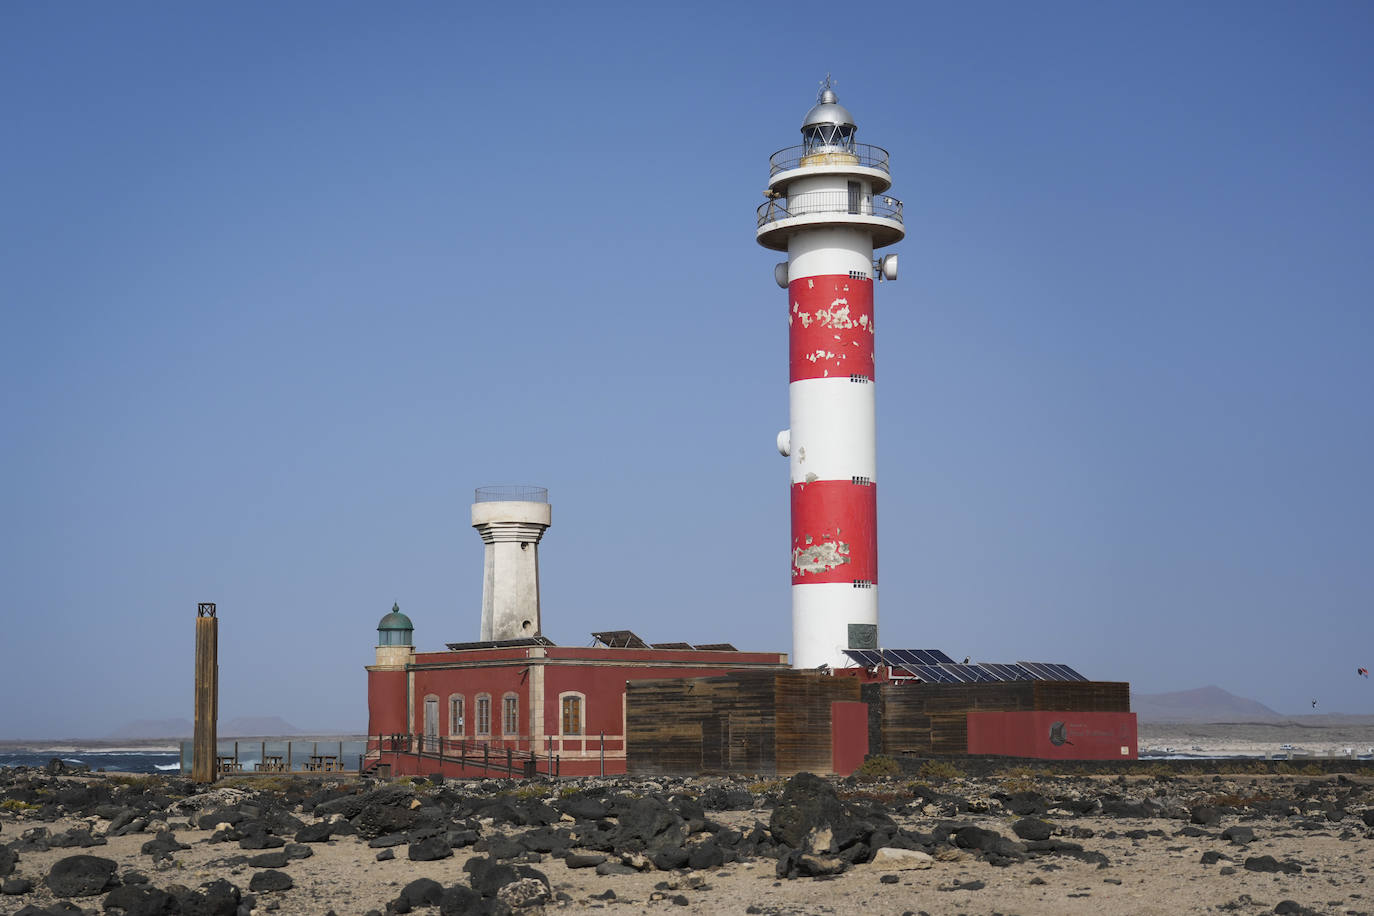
[
  {"x": 510, "y": 714},
  {"x": 483, "y": 715},
  {"x": 573, "y": 708},
  {"x": 457, "y": 727}
]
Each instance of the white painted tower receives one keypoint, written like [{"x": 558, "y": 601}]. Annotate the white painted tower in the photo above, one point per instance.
[
  {"x": 511, "y": 521},
  {"x": 828, "y": 209}
]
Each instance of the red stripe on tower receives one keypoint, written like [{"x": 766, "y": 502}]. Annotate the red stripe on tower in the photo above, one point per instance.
[
  {"x": 834, "y": 532},
  {"x": 830, "y": 327}
]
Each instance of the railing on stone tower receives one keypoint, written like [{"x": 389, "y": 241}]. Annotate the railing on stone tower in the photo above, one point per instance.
[{"x": 514, "y": 494}]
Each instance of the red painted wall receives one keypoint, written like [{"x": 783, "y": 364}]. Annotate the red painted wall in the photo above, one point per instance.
[
  {"x": 496, "y": 681},
  {"x": 848, "y": 736},
  {"x": 386, "y": 703},
  {"x": 1052, "y": 735},
  {"x": 605, "y": 690}
]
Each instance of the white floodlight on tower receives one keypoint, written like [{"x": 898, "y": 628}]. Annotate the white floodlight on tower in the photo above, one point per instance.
[{"x": 822, "y": 211}]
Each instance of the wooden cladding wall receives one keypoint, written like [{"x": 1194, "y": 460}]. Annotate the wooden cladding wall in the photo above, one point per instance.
[
  {"x": 763, "y": 722},
  {"x": 1083, "y": 696},
  {"x": 932, "y": 718},
  {"x": 803, "y": 717}
]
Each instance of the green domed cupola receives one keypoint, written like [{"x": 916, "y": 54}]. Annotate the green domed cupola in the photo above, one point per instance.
[{"x": 395, "y": 629}]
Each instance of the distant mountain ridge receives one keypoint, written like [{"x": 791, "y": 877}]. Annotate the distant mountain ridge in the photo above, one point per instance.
[
  {"x": 153, "y": 728},
  {"x": 1205, "y": 704},
  {"x": 237, "y": 727}
]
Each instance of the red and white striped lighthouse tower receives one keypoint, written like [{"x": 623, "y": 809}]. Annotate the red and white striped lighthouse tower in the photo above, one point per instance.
[{"x": 828, "y": 209}]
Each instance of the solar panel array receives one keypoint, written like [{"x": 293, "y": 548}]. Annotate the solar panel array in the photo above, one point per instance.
[
  {"x": 935, "y": 667},
  {"x": 1048, "y": 671}
]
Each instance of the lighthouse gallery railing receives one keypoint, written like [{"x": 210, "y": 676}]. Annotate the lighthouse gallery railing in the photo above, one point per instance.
[
  {"x": 863, "y": 154},
  {"x": 812, "y": 203}
]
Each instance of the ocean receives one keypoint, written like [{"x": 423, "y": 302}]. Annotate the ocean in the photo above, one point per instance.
[
  {"x": 292, "y": 754},
  {"x": 122, "y": 761}
]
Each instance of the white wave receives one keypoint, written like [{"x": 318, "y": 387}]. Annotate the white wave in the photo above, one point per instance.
[{"x": 167, "y": 766}]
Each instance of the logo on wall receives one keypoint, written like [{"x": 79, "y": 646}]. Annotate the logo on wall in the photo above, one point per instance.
[{"x": 1059, "y": 735}]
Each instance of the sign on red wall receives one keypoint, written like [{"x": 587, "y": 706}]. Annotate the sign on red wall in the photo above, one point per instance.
[{"x": 1053, "y": 735}]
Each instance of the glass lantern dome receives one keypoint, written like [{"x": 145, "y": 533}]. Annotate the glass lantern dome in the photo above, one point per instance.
[{"x": 395, "y": 629}]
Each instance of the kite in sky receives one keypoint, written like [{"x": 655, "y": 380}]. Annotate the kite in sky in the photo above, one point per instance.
[{"x": 1362, "y": 672}]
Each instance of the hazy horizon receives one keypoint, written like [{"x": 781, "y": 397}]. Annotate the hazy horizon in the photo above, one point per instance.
[{"x": 285, "y": 283}]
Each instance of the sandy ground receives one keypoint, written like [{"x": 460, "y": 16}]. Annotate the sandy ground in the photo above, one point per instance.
[
  {"x": 1255, "y": 740},
  {"x": 1158, "y": 873}
]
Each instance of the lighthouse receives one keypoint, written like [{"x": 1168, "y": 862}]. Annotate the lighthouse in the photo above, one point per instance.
[{"x": 829, "y": 209}]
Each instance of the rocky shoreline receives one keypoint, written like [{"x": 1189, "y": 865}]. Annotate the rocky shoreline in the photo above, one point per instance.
[{"x": 1026, "y": 839}]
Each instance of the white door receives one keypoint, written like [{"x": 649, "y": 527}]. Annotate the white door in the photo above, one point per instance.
[{"x": 431, "y": 723}]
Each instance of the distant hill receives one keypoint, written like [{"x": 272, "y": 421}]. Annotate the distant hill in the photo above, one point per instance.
[
  {"x": 1205, "y": 704},
  {"x": 153, "y": 728},
  {"x": 254, "y": 726},
  {"x": 238, "y": 727}
]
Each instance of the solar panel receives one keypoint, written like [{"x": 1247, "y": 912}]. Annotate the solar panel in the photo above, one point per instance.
[
  {"x": 865, "y": 658},
  {"x": 958, "y": 673},
  {"x": 979, "y": 673},
  {"x": 502, "y": 643},
  {"x": 1045, "y": 671},
  {"x": 1003, "y": 672},
  {"x": 672, "y": 645},
  {"x": 917, "y": 657},
  {"x": 932, "y": 674},
  {"x": 717, "y": 647},
  {"x": 620, "y": 639}
]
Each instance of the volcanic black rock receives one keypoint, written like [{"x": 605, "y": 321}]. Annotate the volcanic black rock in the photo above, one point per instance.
[
  {"x": 81, "y": 876},
  {"x": 270, "y": 880}
]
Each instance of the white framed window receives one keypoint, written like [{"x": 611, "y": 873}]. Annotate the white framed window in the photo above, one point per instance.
[
  {"x": 510, "y": 714},
  {"x": 457, "y": 708},
  {"x": 573, "y": 709},
  {"x": 484, "y": 714}
]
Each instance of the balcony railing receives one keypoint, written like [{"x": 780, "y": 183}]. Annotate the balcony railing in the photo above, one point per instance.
[
  {"x": 827, "y": 202},
  {"x": 511, "y": 494},
  {"x": 794, "y": 157}
]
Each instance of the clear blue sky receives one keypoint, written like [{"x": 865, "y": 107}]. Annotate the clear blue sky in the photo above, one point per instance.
[{"x": 283, "y": 283}]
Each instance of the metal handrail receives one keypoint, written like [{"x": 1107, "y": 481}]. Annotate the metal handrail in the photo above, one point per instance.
[
  {"x": 863, "y": 154},
  {"x": 517, "y": 494},
  {"x": 467, "y": 754},
  {"x": 828, "y": 202}
]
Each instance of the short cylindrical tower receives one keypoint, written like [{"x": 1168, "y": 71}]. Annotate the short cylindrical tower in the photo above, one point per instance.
[
  {"x": 828, "y": 209},
  {"x": 511, "y": 521},
  {"x": 386, "y": 680}
]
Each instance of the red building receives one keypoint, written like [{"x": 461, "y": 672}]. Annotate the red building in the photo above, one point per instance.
[{"x": 521, "y": 706}]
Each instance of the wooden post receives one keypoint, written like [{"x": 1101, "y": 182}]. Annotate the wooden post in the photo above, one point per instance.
[{"x": 205, "y": 745}]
